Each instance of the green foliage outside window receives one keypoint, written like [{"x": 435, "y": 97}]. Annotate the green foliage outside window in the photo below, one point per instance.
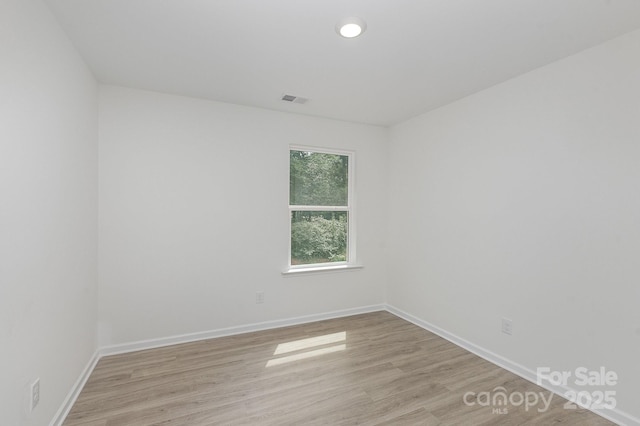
[
  {"x": 318, "y": 237},
  {"x": 318, "y": 179}
]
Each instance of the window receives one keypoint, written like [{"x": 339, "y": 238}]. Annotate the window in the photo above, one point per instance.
[{"x": 321, "y": 208}]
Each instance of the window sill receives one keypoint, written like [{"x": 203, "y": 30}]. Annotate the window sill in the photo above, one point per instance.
[{"x": 320, "y": 269}]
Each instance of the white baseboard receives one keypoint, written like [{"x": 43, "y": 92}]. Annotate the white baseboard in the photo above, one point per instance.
[
  {"x": 614, "y": 415},
  {"x": 64, "y": 409},
  {"x": 230, "y": 331}
]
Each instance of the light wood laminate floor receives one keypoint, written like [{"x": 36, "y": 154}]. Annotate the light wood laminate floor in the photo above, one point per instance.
[{"x": 370, "y": 369}]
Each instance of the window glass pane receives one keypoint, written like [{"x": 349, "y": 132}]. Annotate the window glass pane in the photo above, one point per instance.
[
  {"x": 318, "y": 179},
  {"x": 318, "y": 237}
]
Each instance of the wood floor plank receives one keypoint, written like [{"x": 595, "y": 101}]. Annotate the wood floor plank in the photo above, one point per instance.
[{"x": 370, "y": 369}]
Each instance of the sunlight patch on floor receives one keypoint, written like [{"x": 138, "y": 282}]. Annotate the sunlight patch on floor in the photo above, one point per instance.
[{"x": 306, "y": 348}]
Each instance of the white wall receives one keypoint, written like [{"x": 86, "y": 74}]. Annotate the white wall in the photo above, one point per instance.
[
  {"x": 520, "y": 201},
  {"x": 48, "y": 212},
  {"x": 194, "y": 218},
  {"x": 523, "y": 201}
]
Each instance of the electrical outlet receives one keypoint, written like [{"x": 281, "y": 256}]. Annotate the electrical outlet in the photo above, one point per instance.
[
  {"x": 34, "y": 394},
  {"x": 507, "y": 326},
  {"x": 260, "y": 297}
]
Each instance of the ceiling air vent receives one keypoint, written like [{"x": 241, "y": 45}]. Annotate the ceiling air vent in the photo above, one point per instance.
[{"x": 294, "y": 99}]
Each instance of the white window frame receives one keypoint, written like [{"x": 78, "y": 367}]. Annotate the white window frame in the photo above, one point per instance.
[{"x": 350, "y": 263}]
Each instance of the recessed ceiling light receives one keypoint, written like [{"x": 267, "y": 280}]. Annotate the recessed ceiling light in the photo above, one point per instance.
[{"x": 351, "y": 27}]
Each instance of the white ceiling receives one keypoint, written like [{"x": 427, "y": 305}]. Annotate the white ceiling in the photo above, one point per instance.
[{"x": 416, "y": 55}]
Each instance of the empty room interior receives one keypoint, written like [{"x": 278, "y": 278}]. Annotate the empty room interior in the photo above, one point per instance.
[{"x": 319, "y": 212}]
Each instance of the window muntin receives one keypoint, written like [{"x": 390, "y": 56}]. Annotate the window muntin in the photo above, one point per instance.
[{"x": 320, "y": 194}]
